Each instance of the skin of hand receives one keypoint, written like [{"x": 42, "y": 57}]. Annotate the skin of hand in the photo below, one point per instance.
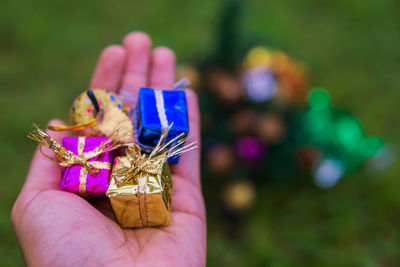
[{"x": 58, "y": 228}]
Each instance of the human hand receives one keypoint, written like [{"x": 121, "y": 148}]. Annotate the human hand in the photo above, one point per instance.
[{"x": 57, "y": 228}]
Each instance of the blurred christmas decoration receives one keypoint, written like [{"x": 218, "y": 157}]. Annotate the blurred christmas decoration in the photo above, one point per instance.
[
  {"x": 338, "y": 136},
  {"x": 260, "y": 120},
  {"x": 239, "y": 196},
  {"x": 220, "y": 159},
  {"x": 250, "y": 150},
  {"x": 269, "y": 73},
  {"x": 271, "y": 128}
]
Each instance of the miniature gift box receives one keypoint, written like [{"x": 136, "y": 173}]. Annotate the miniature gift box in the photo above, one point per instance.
[
  {"x": 143, "y": 199},
  {"x": 157, "y": 111},
  {"x": 89, "y": 177}
]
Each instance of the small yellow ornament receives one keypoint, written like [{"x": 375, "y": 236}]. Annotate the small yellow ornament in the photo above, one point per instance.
[
  {"x": 84, "y": 110},
  {"x": 112, "y": 114},
  {"x": 99, "y": 112}
]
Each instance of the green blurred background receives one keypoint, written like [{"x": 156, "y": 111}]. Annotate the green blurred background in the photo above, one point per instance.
[{"x": 48, "y": 50}]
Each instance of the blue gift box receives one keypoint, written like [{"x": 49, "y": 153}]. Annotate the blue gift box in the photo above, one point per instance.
[{"x": 158, "y": 110}]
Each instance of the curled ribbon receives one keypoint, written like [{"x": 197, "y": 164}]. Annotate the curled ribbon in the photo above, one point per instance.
[{"x": 75, "y": 127}]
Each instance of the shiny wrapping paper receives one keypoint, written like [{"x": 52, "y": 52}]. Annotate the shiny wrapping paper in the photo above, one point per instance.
[
  {"x": 112, "y": 116},
  {"x": 158, "y": 110},
  {"x": 78, "y": 179},
  {"x": 145, "y": 199}
]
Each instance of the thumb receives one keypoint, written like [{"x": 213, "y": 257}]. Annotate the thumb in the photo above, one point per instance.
[{"x": 44, "y": 174}]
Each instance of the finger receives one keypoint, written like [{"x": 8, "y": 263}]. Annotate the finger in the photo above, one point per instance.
[
  {"x": 162, "y": 74},
  {"x": 108, "y": 72},
  {"x": 43, "y": 173},
  {"x": 138, "y": 47},
  {"x": 189, "y": 163}
]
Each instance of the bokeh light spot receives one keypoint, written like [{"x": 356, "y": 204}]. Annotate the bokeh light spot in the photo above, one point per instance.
[
  {"x": 371, "y": 146},
  {"x": 349, "y": 132},
  {"x": 329, "y": 173},
  {"x": 319, "y": 99}
]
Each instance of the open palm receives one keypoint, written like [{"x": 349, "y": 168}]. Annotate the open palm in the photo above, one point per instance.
[{"x": 57, "y": 228}]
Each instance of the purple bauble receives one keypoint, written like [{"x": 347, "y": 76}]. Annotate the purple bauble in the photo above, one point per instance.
[{"x": 250, "y": 149}]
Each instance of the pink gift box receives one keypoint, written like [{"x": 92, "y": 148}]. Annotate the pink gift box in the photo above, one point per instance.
[{"x": 77, "y": 179}]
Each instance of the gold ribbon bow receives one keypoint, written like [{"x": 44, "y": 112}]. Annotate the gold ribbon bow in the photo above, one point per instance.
[
  {"x": 67, "y": 158},
  {"x": 152, "y": 163},
  {"x": 143, "y": 166}
]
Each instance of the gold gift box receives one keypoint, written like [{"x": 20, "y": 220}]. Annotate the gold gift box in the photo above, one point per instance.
[{"x": 143, "y": 201}]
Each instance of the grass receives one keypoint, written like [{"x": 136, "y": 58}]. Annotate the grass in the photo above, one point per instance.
[{"x": 48, "y": 50}]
